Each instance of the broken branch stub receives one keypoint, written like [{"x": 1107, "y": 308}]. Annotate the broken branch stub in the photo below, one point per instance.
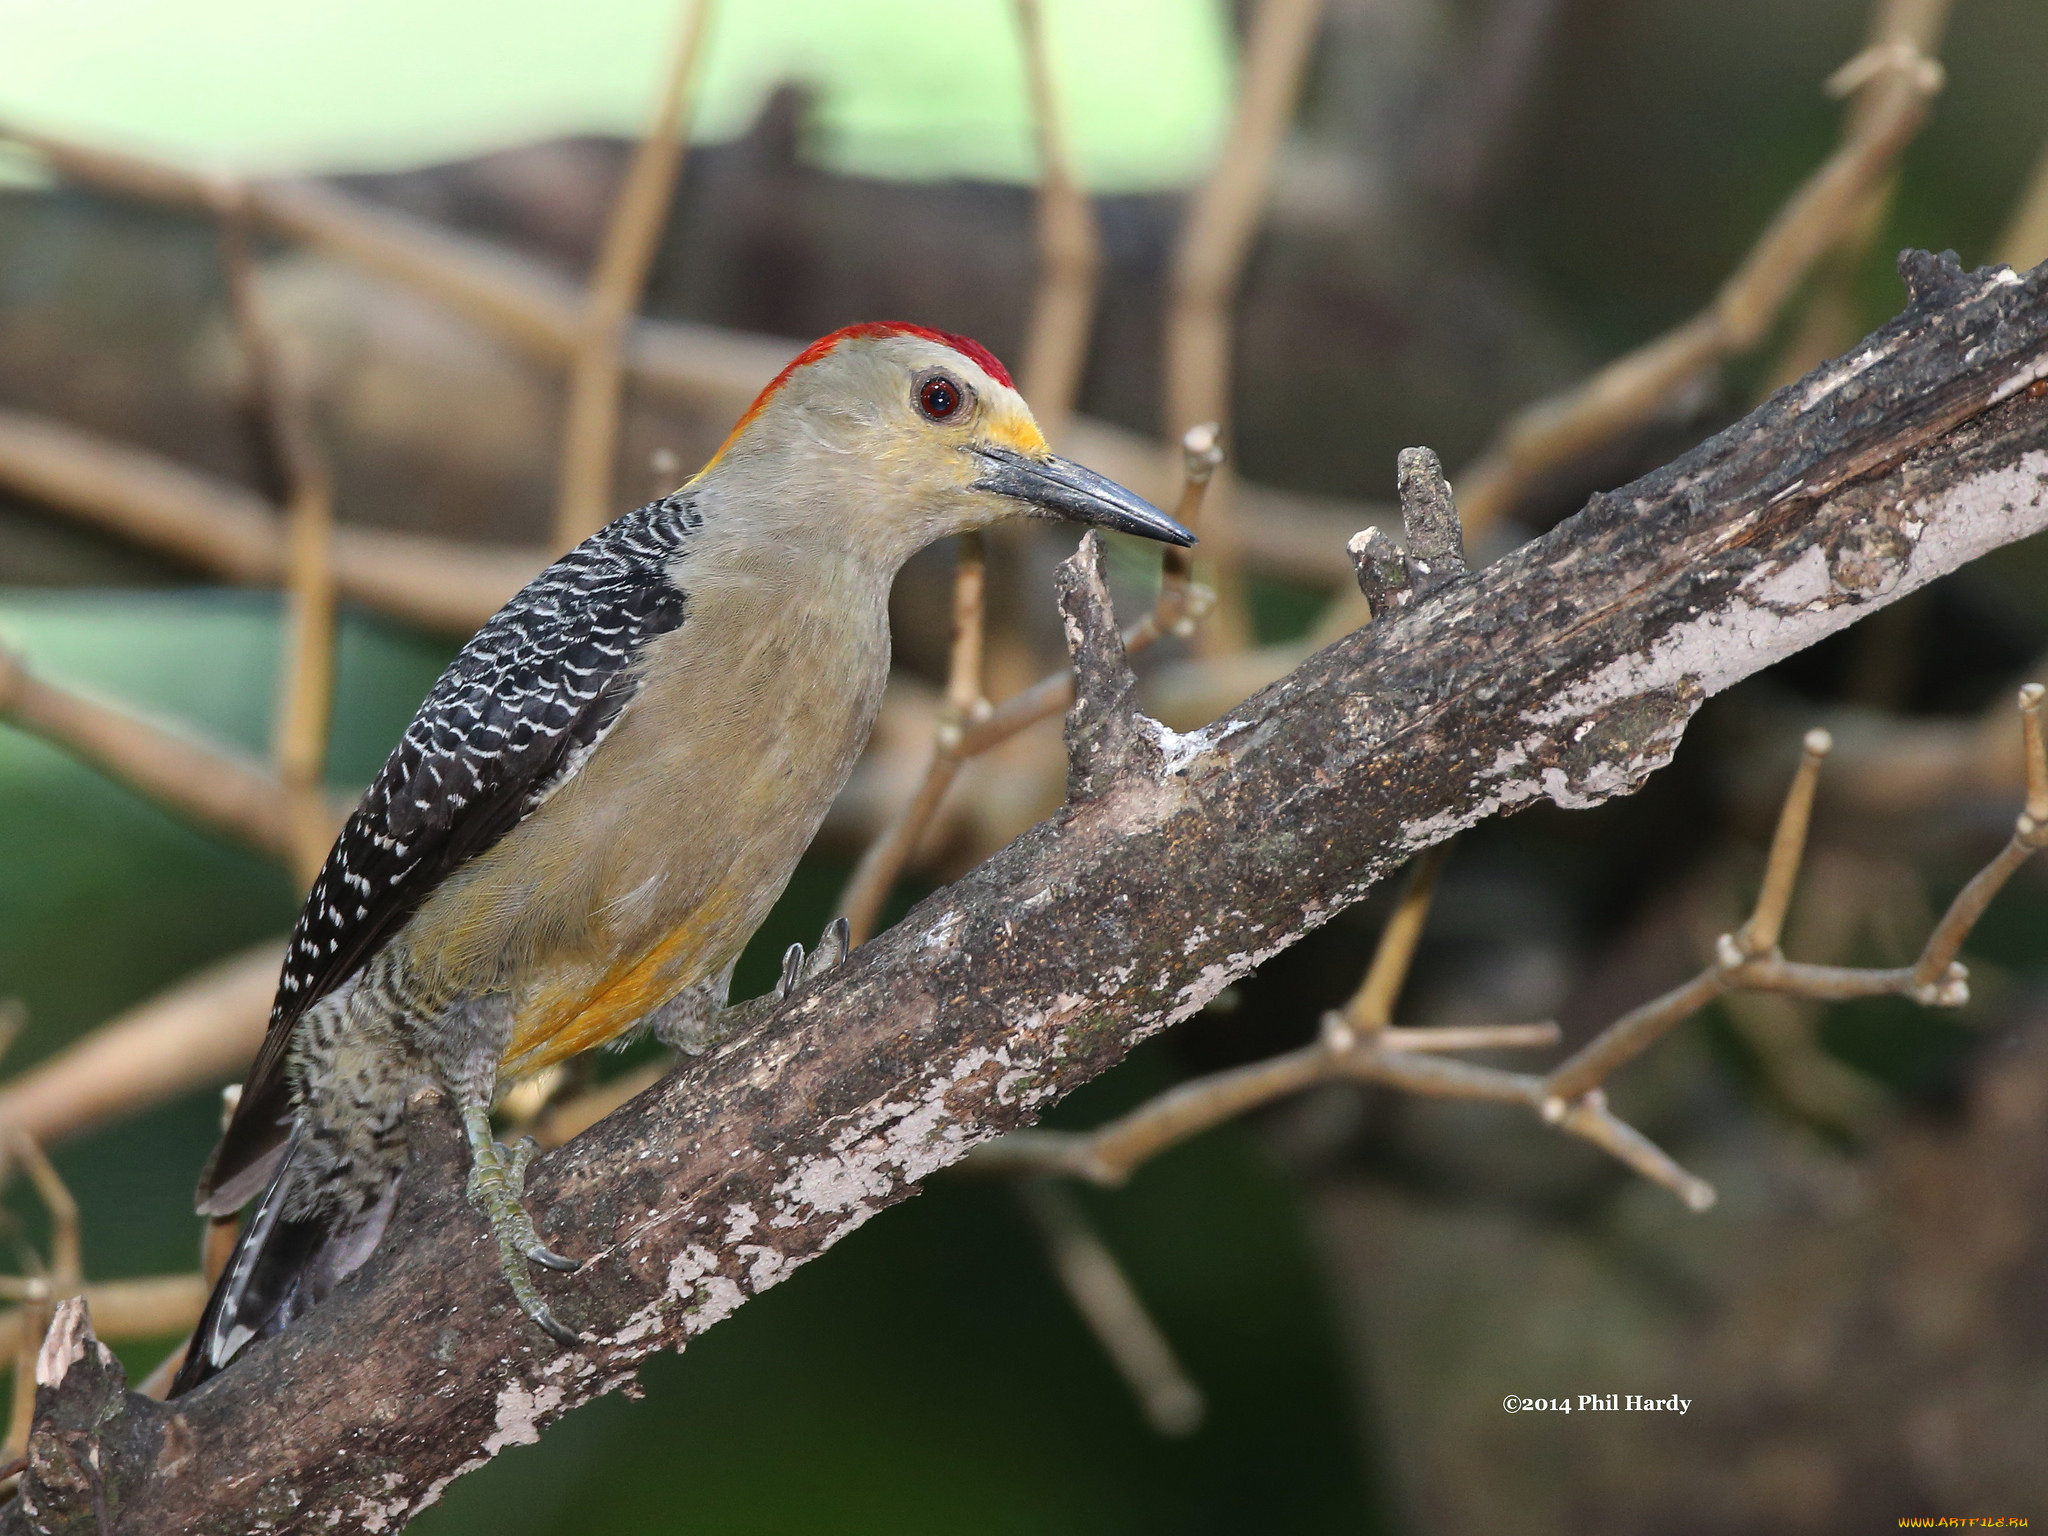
[
  {"x": 92, "y": 1436},
  {"x": 1429, "y": 522},
  {"x": 1381, "y": 569},
  {"x": 1105, "y": 741}
]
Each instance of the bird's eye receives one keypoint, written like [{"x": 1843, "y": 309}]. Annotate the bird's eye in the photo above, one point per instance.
[{"x": 938, "y": 397}]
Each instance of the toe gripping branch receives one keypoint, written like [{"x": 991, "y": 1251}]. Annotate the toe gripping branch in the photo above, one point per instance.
[
  {"x": 497, "y": 1183},
  {"x": 798, "y": 968}
]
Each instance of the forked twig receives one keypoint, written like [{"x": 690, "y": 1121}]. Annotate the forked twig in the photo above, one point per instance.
[
  {"x": 1356, "y": 1043},
  {"x": 1892, "y": 87}
]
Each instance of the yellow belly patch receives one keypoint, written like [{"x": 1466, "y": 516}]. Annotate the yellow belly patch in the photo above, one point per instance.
[{"x": 565, "y": 1020}]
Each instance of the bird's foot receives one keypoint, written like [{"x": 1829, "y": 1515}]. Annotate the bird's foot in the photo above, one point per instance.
[
  {"x": 497, "y": 1181},
  {"x": 798, "y": 967}
]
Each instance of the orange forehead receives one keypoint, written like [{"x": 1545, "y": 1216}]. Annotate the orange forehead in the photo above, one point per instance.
[{"x": 966, "y": 346}]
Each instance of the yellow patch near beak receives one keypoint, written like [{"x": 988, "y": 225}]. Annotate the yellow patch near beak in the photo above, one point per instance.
[{"x": 1018, "y": 433}]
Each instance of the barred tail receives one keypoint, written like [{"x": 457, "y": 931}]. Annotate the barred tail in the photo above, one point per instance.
[{"x": 281, "y": 1267}]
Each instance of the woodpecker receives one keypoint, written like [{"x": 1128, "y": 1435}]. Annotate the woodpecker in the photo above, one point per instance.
[{"x": 602, "y": 797}]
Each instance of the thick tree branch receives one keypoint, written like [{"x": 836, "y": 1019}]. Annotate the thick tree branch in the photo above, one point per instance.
[{"x": 1566, "y": 671}]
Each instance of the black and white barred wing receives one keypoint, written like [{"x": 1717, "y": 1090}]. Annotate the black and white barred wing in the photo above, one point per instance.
[{"x": 512, "y": 719}]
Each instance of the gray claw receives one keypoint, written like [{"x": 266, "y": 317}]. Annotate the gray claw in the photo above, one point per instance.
[
  {"x": 798, "y": 968},
  {"x": 792, "y": 971},
  {"x": 497, "y": 1180},
  {"x": 559, "y": 1331}
]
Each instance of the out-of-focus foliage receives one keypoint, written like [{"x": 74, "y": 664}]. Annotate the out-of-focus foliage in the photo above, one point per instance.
[{"x": 904, "y": 87}]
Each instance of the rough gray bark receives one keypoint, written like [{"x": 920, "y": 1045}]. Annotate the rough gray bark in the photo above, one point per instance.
[{"x": 1567, "y": 670}]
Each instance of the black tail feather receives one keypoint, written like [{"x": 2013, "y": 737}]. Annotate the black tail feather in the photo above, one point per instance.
[{"x": 280, "y": 1269}]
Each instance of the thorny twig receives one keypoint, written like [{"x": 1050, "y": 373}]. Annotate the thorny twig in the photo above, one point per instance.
[
  {"x": 632, "y": 236},
  {"x": 968, "y": 726},
  {"x": 1215, "y": 239}
]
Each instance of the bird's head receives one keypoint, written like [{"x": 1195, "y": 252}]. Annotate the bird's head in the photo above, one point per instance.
[{"x": 893, "y": 436}]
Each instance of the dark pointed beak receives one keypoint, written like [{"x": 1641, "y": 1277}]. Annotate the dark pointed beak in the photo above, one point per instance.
[{"x": 1061, "y": 488}]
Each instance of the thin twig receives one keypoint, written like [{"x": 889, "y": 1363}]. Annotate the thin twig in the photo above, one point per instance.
[
  {"x": 1111, "y": 1307},
  {"x": 884, "y": 858},
  {"x": 1069, "y": 247},
  {"x": 1110, "y": 1153},
  {"x": 632, "y": 236},
  {"x": 1208, "y": 262},
  {"x": 229, "y": 531},
  {"x": 36, "y": 1292},
  {"x": 306, "y": 680},
  {"x": 1935, "y": 979},
  {"x": 1632, "y": 389},
  {"x": 32, "y": 1319},
  {"x": 196, "y": 1033},
  {"x": 1759, "y": 936},
  {"x": 1902, "y": 28},
  {"x": 67, "y": 1267},
  {"x": 1372, "y": 1006},
  {"x": 198, "y": 781}
]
